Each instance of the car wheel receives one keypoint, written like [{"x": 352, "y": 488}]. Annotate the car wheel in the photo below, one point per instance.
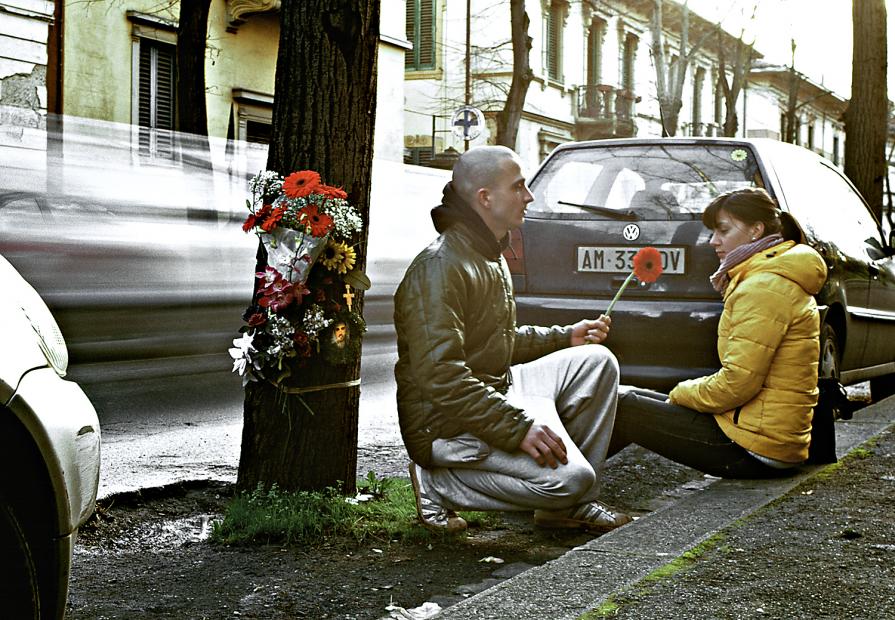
[
  {"x": 18, "y": 575},
  {"x": 829, "y": 353},
  {"x": 832, "y": 396},
  {"x": 882, "y": 387}
]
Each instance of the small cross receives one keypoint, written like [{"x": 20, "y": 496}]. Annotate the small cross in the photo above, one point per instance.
[{"x": 348, "y": 295}]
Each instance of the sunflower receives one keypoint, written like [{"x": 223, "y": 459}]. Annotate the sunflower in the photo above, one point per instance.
[
  {"x": 338, "y": 256},
  {"x": 301, "y": 184}
]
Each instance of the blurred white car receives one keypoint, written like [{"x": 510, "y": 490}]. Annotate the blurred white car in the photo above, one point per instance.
[{"x": 49, "y": 455}]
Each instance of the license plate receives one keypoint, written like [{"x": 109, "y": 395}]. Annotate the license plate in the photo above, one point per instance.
[{"x": 617, "y": 259}]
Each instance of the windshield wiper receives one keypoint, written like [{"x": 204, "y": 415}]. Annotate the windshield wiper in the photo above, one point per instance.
[{"x": 617, "y": 215}]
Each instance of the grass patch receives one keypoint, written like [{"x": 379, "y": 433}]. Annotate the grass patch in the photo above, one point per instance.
[
  {"x": 612, "y": 605},
  {"x": 606, "y": 609},
  {"x": 266, "y": 516}
]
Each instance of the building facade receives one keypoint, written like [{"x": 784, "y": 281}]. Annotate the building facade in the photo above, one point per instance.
[
  {"x": 593, "y": 77},
  {"x": 120, "y": 66}
]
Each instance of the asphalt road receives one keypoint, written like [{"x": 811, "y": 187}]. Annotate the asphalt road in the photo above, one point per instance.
[{"x": 177, "y": 419}]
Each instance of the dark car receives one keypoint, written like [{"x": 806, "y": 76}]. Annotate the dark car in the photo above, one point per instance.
[{"x": 597, "y": 203}]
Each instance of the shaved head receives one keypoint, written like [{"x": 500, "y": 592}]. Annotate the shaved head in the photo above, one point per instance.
[{"x": 479, "y": 167}]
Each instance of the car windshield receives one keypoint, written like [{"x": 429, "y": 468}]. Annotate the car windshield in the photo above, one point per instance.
[{"x": 642, "y": 182}]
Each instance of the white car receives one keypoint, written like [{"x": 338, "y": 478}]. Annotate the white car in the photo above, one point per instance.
[{"x": 49, "y": 455}]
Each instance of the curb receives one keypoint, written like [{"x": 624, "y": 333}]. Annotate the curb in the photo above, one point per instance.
[{"x": 586, "y": 576}]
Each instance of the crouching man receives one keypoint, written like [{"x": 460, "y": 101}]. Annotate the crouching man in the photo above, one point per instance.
[{"x": 495, "y": 416}]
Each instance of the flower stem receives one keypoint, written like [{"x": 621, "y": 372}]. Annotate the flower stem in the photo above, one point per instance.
[{"x": 619, "y": 293}]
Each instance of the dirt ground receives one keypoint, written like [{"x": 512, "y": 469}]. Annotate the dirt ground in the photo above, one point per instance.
[{"x": 146, "y": 555}]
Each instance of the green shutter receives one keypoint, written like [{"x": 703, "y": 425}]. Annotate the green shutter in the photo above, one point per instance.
[{"x": 420, "y": 30}]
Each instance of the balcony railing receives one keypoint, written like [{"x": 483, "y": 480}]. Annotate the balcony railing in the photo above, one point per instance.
[{"x": 604, "y": 111}]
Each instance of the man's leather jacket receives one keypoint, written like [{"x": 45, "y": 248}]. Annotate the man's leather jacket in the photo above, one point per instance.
[{"x": 457, "y": 337}]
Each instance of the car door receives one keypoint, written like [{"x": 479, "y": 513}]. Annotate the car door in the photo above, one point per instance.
[{"x": 838, "y": 224}]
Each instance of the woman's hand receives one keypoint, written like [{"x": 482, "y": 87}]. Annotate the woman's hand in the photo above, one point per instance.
[{"x": 590, "y": 331}]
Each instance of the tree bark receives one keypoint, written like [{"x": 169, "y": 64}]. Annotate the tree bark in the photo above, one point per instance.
[
  {"x": 670, "y": 76},
  {"x": 508, "y": 118},
  {"x": 192, "y": 30},
  {"x": 192, "y": 116},
  {"x": 866, "y": 118},
  {"x": 323, "y": 119},
  {"x": 742, "y": 63}
]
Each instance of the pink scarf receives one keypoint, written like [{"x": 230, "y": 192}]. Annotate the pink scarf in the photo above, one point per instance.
[{"x": 720, "y": 279}]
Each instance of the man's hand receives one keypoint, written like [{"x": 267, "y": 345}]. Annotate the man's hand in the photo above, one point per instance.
[
  {"x": 544, "y": 446},
  {"x": 591, "y": 331}
]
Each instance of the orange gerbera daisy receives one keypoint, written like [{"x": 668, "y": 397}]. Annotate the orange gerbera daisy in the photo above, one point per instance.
[
  {"x": 648, "y": 264},
  {"x": 320, "y": 223},
  {"x": 647, "y": 268},
  {"x": 301, "y": 184}
]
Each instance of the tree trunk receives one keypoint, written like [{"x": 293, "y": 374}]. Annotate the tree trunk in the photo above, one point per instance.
[
  {"x": 866, "y": 118},
  {"x": 323, "y": 119},
  {"x": 192, "y": 30},
  {"x": 192, "y": 118},
  {"x": 742, "y": 63},
  {"x": 508, "y": 118},
  {"x": 670, "y": 76}
]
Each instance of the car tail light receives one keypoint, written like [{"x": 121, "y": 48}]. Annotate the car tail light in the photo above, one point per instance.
[{"x": 515, "y": 253}]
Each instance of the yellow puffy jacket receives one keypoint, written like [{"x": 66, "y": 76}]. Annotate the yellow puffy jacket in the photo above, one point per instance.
[{"x": 764, "y": 394}]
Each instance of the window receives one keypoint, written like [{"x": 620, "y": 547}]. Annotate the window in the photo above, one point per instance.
[
  {"x": 420, "y": 32},
  {"x": 156, "y": 111},
  {"x": 836, "y": 149},
  {"x": 153, "y": 86},
  {"x": 555, "y": 18}
]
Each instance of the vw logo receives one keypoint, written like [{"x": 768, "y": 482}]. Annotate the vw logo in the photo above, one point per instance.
[{"x": 631, "y": 232}]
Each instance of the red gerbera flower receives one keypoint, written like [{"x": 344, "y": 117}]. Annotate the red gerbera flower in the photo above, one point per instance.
[
  {"x": 301, "y": 184},
  {"x": 647, "y": 268},
  {"x": 648, "y": 264},
  {"x": 332, "y": 192},
  {"x": 320, "y": 223},
  {"x": 273, "y": 219},
  {"x": 254, "y": 218}
]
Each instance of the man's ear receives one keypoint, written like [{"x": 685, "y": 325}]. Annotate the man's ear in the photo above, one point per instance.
[{"x": 483, "y": 197}]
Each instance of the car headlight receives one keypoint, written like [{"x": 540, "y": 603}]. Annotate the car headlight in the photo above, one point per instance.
[{"x": 49, "y": 336}]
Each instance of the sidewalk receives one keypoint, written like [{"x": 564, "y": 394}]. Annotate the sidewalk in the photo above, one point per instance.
[{"x": 824, "y": 549}]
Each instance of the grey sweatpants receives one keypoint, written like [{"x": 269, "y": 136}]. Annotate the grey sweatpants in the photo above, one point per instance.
[{"x": 574, "y": 392}]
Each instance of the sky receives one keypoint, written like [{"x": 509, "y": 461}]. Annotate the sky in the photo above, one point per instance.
[{"x": 822, "y": 30}]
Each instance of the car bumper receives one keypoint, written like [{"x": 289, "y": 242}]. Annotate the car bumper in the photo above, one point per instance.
[{"x": 658, "y": 343}]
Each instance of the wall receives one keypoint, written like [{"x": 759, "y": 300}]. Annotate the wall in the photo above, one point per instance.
[{"x": 24, "y": 26}]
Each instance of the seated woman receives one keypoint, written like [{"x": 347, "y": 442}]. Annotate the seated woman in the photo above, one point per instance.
[{"x": 752, "y": 418}]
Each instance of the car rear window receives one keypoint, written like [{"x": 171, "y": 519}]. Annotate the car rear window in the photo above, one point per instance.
[{"x": 642, "y": 182}]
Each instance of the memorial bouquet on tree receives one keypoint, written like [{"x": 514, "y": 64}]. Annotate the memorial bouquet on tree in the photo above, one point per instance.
[{"x": 303, "y": 303}]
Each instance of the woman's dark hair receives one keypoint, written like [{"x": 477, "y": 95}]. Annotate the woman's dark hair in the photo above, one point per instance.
[{"x": 750, "y": 204}]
